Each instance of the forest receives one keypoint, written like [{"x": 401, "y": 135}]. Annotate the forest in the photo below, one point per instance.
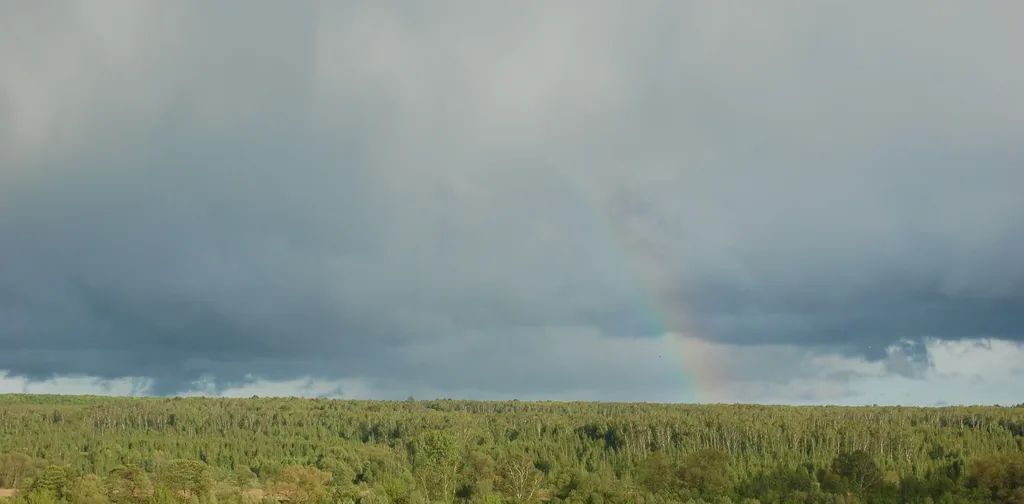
[{"x": 105, "y": 450}]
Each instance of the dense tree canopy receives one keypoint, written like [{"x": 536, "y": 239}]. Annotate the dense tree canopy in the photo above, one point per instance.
[{"x": 93, "y": 450}]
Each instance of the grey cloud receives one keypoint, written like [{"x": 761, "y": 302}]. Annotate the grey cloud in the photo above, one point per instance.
[
  {"x": 372, "y": 191},
  {"x": 908, "y": 358}
]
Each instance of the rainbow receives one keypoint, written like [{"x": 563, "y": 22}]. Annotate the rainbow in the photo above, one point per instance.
[{"x": 701, "y": 379}]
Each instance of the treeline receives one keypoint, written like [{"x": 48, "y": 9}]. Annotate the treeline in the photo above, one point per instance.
[{"x": 263, "y": 451}]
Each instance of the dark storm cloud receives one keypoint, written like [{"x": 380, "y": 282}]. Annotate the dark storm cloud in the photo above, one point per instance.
[{"x": 341, "y": 191}]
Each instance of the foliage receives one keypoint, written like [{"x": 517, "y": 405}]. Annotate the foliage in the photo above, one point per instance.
[
  {"x": 520, "y": 479},
  {"x": 300, "y": 484},
  {"x": 128, "y": 485},
  {"x": 88, "y": 489},
  {"x": 53, "y": 481},
  {"x": 1001, "y": 477},
  {"x": 14, "y": 467},
  {"x": 436, "y": 459},
  {"x": 98, "y": 450},
  {"x": 857, "y": 471},
  {"x": 187, "y": 480}
]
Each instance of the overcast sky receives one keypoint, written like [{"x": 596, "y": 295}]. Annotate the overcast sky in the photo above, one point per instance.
[{"x": 796, "y": 202}]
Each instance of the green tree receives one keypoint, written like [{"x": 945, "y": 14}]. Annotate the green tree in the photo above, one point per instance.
[
  {"x": 520, "y": 479},
  {"x": 706, "y": 471},
  {"x": 858, "y": 470},
  {"x": 164, "y": 495},
  {"x": 1000, "y": 476},
  {"x": 187, "y": 479},
  {"x": 53, "y": 480},
  {"x": 477, "y": 476},
  {"x": 13, "y": 467},
  {"x": 436, "y": 460},
  {"x": 87, "y": 490},
  {"x": 300, "y": 484},
  {"x": 42, "y": 497},
  {"x": 128, "y": 485},
  {"x": 657, "y": 473}
]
